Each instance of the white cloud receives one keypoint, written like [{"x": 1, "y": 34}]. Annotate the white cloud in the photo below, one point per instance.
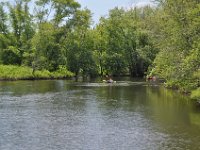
[{"x": 143, "y": 3}]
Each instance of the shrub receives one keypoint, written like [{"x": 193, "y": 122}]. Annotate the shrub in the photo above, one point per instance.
[{"x": 196, "y": 94}]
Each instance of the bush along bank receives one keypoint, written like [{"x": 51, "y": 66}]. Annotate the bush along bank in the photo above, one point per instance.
[
  {"x": 189, "y": 86},
  {"x": 11, "y": 72}
]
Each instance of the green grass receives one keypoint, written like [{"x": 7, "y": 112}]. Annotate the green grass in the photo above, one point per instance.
[{"x": 10, "y": 72}]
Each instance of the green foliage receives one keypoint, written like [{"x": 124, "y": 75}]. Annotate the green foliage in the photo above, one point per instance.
[
  {"x": 128, "y": 48},
  {"x": 117, "y": 45},
  {"x": 3, "y": 19},
  {"x": 15, "y": 72},
  {"x": 161, "y": 41},
  {"x": 10, "y": 72},
  {"x": 62, "y": 72},
  {"x": 79, "y": 46},
  {"x": 46, "y": 53},
  {"x": 179, "y": 58},
  {"x": 62, "y": 9},
  {"x": 115, "y": 64},
  {"x": 4, "y": 41},
  {"x": 43, "y": 74},
  {"x": 11, "y": 56},
  {"x": 196, "y": 94}
]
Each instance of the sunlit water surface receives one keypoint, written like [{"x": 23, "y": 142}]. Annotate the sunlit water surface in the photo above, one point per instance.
[{"x": 58, "y": 115}]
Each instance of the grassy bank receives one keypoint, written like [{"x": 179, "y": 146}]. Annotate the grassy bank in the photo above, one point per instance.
[{"x": 10, "y": 72}]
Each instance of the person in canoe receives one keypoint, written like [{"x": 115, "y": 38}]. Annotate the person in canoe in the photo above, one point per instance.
[{"x": 108, "y": 79}]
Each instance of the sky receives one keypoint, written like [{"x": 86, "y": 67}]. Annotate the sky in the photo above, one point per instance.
[{"x": 101, "y": 7}]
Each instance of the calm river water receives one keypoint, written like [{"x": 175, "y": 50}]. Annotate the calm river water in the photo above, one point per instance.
[{"x": 62, "y": 115}]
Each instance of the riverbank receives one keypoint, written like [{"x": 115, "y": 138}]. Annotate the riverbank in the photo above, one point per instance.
[
  {"x": 10, "y": 72},
  {"x": 193, "y": 92}
]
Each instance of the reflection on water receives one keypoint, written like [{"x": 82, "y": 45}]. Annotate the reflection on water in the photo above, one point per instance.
[{"x": 127, "y": 115}]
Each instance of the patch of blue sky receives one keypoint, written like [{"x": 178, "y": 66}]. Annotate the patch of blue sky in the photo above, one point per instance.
[{"x": 101, "y": 8}]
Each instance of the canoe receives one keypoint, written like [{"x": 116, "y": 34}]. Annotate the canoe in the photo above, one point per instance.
[{"x": 109, "y": 81}]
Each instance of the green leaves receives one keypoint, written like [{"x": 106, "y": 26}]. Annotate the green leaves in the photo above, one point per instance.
[
  {"x": 3, "y": 19},
  {"x": 127, "y": 43},
  {"x": 179, "y": 58},
  {"x": 80, "y": 45},
  {"x": 59, "y": 33},
  {"x": 60, "y": 10},
  {"x": 11, "y": 55}
]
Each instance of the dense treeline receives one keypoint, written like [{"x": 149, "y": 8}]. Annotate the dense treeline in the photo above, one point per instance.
[
  {"x": 178, "y": 39},
  {"x": 59, "y": 33},
  {"x": 158, "y": 41}
]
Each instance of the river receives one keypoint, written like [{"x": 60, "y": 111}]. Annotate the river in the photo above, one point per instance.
[{"x": 127, "y": 115}]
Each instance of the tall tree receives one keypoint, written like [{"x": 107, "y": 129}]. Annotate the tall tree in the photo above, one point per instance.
[
  {"x": 177, "y": 59},
  {"x": 129, "y": 48},
  {"x": 100, "y": 46},
  {"x": 4, "y": 37},
  {"x": 79, "y": 44}
]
